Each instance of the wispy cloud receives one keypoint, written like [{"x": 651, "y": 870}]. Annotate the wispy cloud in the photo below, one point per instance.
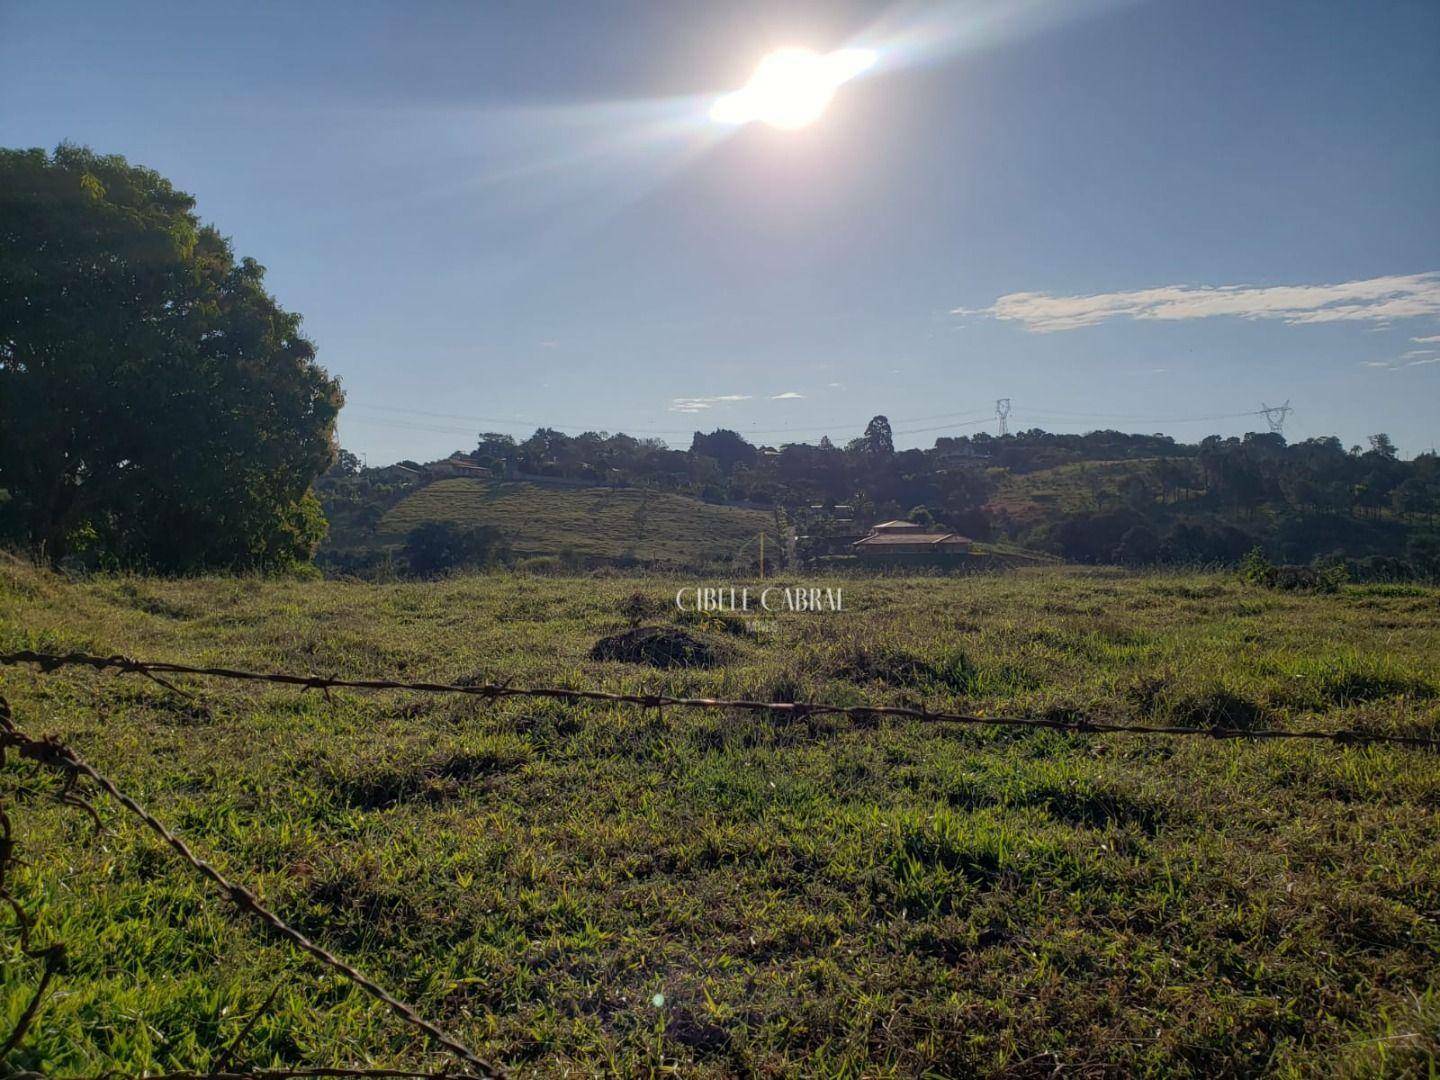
[
  {"x": 789, "y": 395},
  {"x": 1431, "y": 340},
  {"x": 700, "y": 404},
  {"x": 1413, "y": 358},
  {"x": 1372, "y": 300}
]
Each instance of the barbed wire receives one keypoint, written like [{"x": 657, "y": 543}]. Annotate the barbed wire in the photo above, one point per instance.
[
  {"x": 51, "y": 753},
  {"x": 264, "y": 1074},
  {"x": 798, "y": 709}
]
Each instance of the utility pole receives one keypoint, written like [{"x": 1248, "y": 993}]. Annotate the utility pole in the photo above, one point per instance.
[
  {"x": 1275, "y": 416},
  {"x": 1002, "y": 413},
  {"x": 762, "y": 554}
]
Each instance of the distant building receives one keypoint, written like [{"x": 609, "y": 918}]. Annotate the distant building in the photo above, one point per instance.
[
  {"x": 965, "y": 452},
  {"x": 892, "y": 539},
  {"x": 455, "y": 465},
  {"x": 899, "y": 527},
  {"x": 393, "y": 474}
]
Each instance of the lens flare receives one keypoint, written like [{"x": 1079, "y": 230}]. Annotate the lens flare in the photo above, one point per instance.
[{"x": 791, "y": 88}]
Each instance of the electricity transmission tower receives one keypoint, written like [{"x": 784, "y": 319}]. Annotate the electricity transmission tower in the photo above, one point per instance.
[
  {"x": 1275, "y": 416},
  {"x": 1002, "y": 413}
]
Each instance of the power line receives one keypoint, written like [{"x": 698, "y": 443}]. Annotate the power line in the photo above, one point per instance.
[
  {"x": 1053, "y": 413},
  {"x": 944, "y": 427},
  {"x": 1003, "y": 411},
  {"x": 962, "y": 419}
]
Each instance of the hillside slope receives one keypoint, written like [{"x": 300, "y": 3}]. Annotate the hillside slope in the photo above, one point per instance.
[
  {"x": 593, "y": 523},
  {"x": 1075, "y": 487}
]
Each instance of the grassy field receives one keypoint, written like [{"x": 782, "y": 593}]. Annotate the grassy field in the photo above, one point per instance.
[
  {"x": 1064, "y": 489},
  {"x": 600, "y": 889},
  {"x": 653, "y": 528}
]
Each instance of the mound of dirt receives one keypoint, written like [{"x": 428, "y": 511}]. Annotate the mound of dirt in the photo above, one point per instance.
[{"x": 658, "y": 646}]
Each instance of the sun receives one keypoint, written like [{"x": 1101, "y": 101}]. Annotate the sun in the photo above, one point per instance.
[{"x": 791, "y": 87}]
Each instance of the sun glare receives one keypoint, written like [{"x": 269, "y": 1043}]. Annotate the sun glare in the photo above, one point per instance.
[{"x": 791, "y": 87}]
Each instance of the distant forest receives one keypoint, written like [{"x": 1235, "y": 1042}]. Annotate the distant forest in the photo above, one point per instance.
[{"x": 1100, "y": 497}]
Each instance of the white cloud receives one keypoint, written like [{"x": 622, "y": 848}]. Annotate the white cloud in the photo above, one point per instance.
[
  {"x": 1425, "y": 357},
  {"x": 1431, "y": 340},
  {"x": 836, "y": 386},
  {"x": 1372, "y": 300},
  {"x": 699, "y": 404},
  {"x": 789, "y": 395}
]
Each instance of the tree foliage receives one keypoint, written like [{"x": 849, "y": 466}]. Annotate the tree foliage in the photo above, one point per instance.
[
  {"x": 439, "y": 546},
  {"x": 878, "y": 438},
  {"x": 157, "y": 406}
]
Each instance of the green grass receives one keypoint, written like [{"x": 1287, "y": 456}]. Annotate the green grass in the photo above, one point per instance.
[
  {"x": 653, "y": 528},
  {"x": 821, "y": 897},
  {"x": 1065, "y": 489}
]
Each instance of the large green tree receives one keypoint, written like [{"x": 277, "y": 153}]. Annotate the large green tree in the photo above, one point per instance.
[{"x": 157, "y": 406}]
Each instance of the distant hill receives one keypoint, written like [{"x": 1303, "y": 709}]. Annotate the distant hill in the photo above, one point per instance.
[
  {"x": 1099, "y": 497},
  {"x": 588, "y": 524}
]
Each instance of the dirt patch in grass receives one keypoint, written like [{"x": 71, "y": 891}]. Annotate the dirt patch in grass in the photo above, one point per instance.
[
  {"x": 158, "y": 606},
  {"x": 1349, "y": 686},
  {"x": 1097, "y": 809},
  {"x": 705, "y": 1038},
  {"x": 1218, "y": 708},
  {"x": 860, "y": 662},
  {"x": 720, "y": 622},
  {"x": 657, "y": 646},
  {"x": 351, "y": 907},
  {"x": 1157, "y": 698},
  {"x": 381, "y": 785},
  {"x": 936, "y": 862}
]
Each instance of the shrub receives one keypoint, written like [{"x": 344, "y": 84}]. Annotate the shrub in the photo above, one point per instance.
[
  {"x": 1256, "y": 569},
  {"x": 1379, "y": 568},
  {"x": 437, "y": 547}
]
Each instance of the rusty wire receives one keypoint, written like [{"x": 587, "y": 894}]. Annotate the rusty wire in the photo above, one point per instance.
[
  {"x": 797, "y": 709},
  {"x": 299, "y": 1073},
  {"x": 51, "y": 753}
]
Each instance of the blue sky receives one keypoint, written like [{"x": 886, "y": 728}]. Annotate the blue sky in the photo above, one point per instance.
[{"x": 503, "y": 214}]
